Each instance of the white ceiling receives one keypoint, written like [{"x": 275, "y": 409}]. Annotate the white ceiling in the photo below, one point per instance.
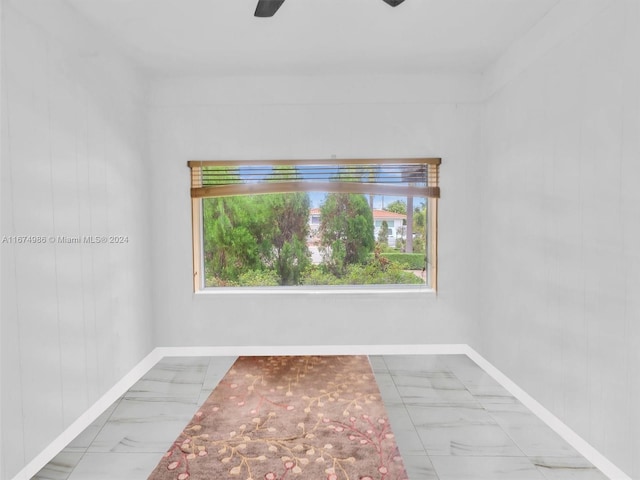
[{"x": 190, "y": 37}]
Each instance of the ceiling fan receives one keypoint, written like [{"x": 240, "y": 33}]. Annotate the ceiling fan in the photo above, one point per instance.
[{"x": 267, "y": 8}]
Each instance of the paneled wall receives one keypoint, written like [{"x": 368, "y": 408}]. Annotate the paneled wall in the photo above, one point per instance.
[
  {"x": 539, "y": 217},
  {"x": 75, "y": 316},
  {"x": 560, "y": 262}
]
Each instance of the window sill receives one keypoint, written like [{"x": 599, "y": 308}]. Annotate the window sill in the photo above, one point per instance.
[{"x": 319, "y": 290}]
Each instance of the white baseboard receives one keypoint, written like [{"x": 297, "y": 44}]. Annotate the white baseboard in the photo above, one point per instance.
[
  {"x": 88, "y": 417},
  {"x": 314, "y": 350}
]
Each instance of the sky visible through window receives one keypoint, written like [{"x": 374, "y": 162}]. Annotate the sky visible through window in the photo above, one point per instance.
[
  {"x": 383, "y": 175},
  {"x": 380, "y": 202}
]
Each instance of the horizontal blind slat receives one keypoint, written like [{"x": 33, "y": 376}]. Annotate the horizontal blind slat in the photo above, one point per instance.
[{"x": 415, "y": 177}]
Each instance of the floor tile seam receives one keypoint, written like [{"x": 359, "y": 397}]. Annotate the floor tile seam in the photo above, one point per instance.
[
  {"x": 409, "y": 416},
  {"x": 435, "y": 471},
  {"x": 475, "y": 403},
  {"x": 535, "y": 467},
  {"x": 115, "y": 406},
  {"x": 75, "y": 465},
  {"x": 508, "y": 436},
  {"x": 541, "y": 474},
  {"x": 532, "y": 457},
  {"x": 424, "y": 451},
  {"x": 172, "y": 381},
  {"x": 425, "y": 455},
  {"x": 579, "y": 444},
  {"x": 513, "y": 439},
  {"x": 381, "y": 357},
  {"x": 159, "y": 400},
  {"x": 194, "y": 401},
  {"x": 477, "y": 455},
  {"x": 427, "y": 426},
  {"x": 72, "y": 467},
  {"x": 564, "y": 457},
  {"x": 516, "y": 444},
  {"x": 580, "y": 467},
  {"x": 125, "y": 452},
  {"x": 466, "y": 387},
  {"x": 411, "y": 407}
]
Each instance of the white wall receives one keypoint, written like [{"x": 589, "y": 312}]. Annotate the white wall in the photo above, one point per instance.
[
  {"x": 75, "y": 318},
  {"x": 314, "y": 117},
  {"x": 561, "y": 221}
]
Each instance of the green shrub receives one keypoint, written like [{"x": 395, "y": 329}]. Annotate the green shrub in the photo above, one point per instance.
[
  {"x": 318, "y": 275},
  {"x": 410, "y": 261},
  {"x": 374, "y": 272},
  {"x": 384, "y": 247},
  {"x": 259, "y": 278},
  {"x": 213, "y": 281}
]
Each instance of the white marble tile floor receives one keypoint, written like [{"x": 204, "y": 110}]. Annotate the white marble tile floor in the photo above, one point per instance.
[{"x": 451, "y": 420}]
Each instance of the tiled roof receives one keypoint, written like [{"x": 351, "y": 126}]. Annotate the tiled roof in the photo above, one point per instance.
[{"x": 382, "y": 214}]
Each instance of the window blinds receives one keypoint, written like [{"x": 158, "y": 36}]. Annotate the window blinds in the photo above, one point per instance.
[{"x": 416, "y": 177}]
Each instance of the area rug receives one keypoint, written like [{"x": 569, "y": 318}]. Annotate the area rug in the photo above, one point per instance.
[{"x": 288, "y": 417}]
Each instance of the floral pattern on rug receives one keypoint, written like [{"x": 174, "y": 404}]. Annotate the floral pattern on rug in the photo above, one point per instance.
[{"x": 288, "y": 417}]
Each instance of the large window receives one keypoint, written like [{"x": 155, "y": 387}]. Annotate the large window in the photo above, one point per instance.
[{"x": 318, "y": 222}]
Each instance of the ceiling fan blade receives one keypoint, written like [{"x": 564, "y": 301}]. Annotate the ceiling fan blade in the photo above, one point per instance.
[
  {"x": 267, "y": 8},
  {"x": 393, "y": 3}
]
